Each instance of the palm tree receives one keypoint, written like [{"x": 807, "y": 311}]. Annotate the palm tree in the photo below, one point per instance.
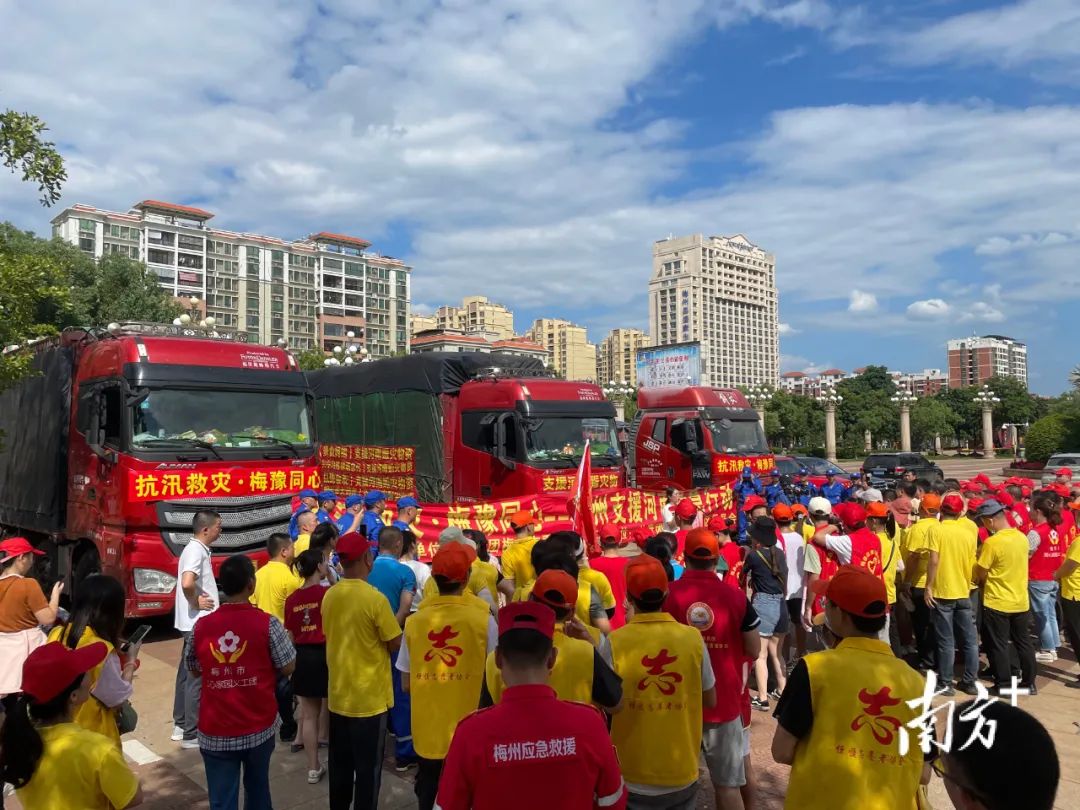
[{"x": 1074, "y": 377}]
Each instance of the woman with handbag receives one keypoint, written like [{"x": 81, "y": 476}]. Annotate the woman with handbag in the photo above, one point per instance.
[
  {"x": 23, "y": 609},
  {"x": 98, "y": 616}
]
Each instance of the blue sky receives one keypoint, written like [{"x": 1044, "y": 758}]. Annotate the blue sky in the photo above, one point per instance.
[{"x": 914, "y": 166}]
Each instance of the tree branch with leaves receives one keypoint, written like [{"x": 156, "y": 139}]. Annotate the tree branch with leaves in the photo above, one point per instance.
[{"x": 24, "y": 149}]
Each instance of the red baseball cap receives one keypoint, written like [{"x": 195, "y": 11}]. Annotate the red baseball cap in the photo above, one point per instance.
[
  {"x": 850, "y": 513},
  {"x": 782, "y": 512},
  {"x": 17, "y": 546},
  {"x": 953, "y": 504},
  {"x": 556, "y": 589},
  {"x": 719, "y": 523},
  {"x": 753, "y": 502},
  {"x": 1005, "y": 499},
  {"x": 52, "y": 667},
  {"x": 645, "y": 574},
  {"x": 609, "y": 531},
  {"x": 640, "y": 537},
  {"x": 1063, "y": 471},
  {"x": 971, "y": 486},
  {"x": 984, "y": 478},
  {"x": 854, "y": 590},
  {"x": 352, "y": 546},
  {"x": 527, "y": 616},
  {"x": 701, "y": 544},
  {"x": 685, "y": 509},
  {"x": 451, "y": 561}
]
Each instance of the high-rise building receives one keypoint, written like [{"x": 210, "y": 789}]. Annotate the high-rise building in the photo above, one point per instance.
[
  {"x": 721, "y": 293},
  {"x": 974, "y": 360},
  {"x": 310, "y": 292},
  {"x": 616, "y": 356},
  {"x": 572, "y": 355},
  {"x": 476, "y": 316}
]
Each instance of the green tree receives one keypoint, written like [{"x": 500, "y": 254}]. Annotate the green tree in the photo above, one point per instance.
[
  {"x": 310, "y": 359},
  {"x": 867, "y": 406},
  {"x": 961, "y": 401},
  {"x": 1017, "y": 405},
  {"x": 931, "y": 417},
  {"x": 23, "y": 149},
  {"x": 1047, "y": 436},
  {"x": 117, "y": 288},
  {"x": 794, "y": 421}
]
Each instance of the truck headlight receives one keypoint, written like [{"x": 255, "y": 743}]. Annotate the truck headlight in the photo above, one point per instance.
[{"x": 150, "y": 580}]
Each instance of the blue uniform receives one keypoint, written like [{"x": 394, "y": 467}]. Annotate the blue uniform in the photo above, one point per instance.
[
  {"x": 743, "y": 489},
  {"x": 774, "y": 494},
  {"x": 835, "y": 492},
  {"x": 401, "y": 525},
  {"x": 373, "y": 524},
  {"x": 323, "y": 516},
  {"x": 344, "y": 523}
]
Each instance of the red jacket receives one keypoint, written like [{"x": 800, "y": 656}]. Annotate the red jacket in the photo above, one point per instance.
[{"x": 532, "y": 751}]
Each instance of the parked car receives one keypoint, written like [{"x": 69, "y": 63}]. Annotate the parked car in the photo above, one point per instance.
[
  {"x": 819, "y": 468},
  {"x": 888, "y": 468},
  {"x": 1056, "y": 462}
]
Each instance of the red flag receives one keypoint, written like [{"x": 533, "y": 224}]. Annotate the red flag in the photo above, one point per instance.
[{"x": 583, "y": 514}]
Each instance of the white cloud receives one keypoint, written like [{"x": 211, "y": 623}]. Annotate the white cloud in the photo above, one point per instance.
[
  {"x": 982, "y": 311},
  {"x": 795, "y": 362},
  {"x": 860, "y": 301},
  {"x": 786, "y": 329},
  {"x": 932, "y": 309},
  {"x": 1000, "y": 245}
]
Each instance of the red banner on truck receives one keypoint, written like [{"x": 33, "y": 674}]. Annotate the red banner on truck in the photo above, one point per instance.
[
  {"x": 217, "y": 482},
  {"x": 629, "y": 509},
  {"x": 348, "y": 468}
]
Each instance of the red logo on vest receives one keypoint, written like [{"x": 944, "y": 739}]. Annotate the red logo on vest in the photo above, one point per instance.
[
  {"x": 657, "y": 675},
  {"x": 441, "y": 648},
  {"x": 882, "y": 726}
]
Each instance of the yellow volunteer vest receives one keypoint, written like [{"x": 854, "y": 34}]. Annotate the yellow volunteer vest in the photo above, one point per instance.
[
  {"x": 890, "y": 559},
  {"x": 475, "y": 585},
  {"x": 571, "y": 677},
  {"x": 93, "y": 715},
  {"x": 859, "y": 692},
  {"x": 447, "y": 641},
  {"x": 658, "y": 732},
  {"x": 599, "y": 581}
]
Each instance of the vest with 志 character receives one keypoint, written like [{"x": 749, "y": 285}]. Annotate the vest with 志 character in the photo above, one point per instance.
[
  {"x": 851, "y": 758},
  {"x": 447, "y": 640},
  {"x": 238, "y": 675},
  {"x": 658, "y": 732}
]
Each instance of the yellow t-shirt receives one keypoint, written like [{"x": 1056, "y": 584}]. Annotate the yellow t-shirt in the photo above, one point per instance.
[
  {"x": 78, "y": 769},
  {"x": 517, "y": 561},
  {"x": 915, "y": 541},
  {"x": 274, "y": 582},
  {"x": 358, "y": 624},
  {"x": 1070, "y": 585},
  {"x": 808, "y": 531},
  {"x": 599, "y": 581},
  {"x": 1004, "y": 556},
  {"x": 488, "y": 573},
  {"x": 93, "y": 715},
  {"x": 956, "y": 548},
  {"x": 890, "y": 560},
  {"x": 302, "y": 544}
]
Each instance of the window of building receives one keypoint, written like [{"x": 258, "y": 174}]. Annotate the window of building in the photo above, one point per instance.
[
  {"x": 160, "y": 256},
  {"x": 87, "y": 243},
  {"x": 163, "y": 238},
  {"x": 188, "y": 242},
  {"x": 189, "y": 260},
  {"x": 87, "y": 225}
]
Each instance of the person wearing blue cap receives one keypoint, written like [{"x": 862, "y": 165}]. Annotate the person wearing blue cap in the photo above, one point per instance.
[
  {"x": 353, "y": 517},
  {"x": 327, "y": 502},
  {"x": 374, "y": 504},
  {"x": 773, "y": 491},
  {"x": 802, "y": 489},
  {"x": 309, "y": 502},
  {"x": 407, "y": 510},
  {"x": 833, "y": 489},
  {"x": 746, "y": 486}
]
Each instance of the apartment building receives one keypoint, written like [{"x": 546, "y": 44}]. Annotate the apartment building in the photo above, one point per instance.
[
  {"x": 974, "y": 360},
  {"x": 476, "y": 316},
  {"x": 616, "y": 356},
  {"x": 572, "y": 355},
  {"x": 721, "y": 293},
  {"x": 438, "y": 340},
  {"x": 309, "y": 292}
]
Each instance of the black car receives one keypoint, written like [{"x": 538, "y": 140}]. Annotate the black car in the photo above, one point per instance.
[{"x": 890, "y": 467}]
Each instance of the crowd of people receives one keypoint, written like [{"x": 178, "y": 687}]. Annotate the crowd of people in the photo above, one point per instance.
[{"x": 549, "y": 677}]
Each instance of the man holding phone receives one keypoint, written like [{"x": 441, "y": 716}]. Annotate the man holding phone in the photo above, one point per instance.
[{"x": 196, "y": 596}]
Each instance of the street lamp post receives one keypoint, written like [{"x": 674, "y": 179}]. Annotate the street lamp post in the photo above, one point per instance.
[
  {"x": 904, "y": 398},
  {"x": 193, "y": 312},
  {"x": 986, "y": 399},
  {"x": 759, "y": 397},
  {"x": 618, "y": 391},
  {"x": 829, "y": 398}
]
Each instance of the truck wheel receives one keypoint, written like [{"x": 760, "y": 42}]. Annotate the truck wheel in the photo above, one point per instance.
[{"x": 88, "y": 563}]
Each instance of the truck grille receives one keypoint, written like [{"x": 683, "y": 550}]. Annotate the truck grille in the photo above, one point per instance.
[{"x": 246, "y": 522}]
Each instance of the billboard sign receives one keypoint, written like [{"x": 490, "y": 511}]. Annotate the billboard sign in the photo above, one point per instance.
[{"x": 676, "y": 365}]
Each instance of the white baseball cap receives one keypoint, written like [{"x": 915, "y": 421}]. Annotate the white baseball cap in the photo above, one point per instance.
[
  {"x": 871, "y": 495},
  {"x": 820, "y": 506}
]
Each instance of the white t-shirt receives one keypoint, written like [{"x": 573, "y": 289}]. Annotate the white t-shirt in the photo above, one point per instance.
[
  {"x": 795, "y": 551},
  {"x": 422, "y": 571},
  {"x": 194, "y": 558}
]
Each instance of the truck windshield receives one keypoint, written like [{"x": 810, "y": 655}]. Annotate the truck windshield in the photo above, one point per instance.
[
  {"x": 221, "y": 418},
  {"x": 744, "y": 437},
  {"x": 562, "y": 438}
]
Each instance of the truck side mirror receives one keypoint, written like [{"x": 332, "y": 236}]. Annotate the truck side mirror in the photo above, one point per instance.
[
  {"x": 95, "y": 432},
  {"x": 684, "y": 437},
  {"x": 502, "y": 424}
]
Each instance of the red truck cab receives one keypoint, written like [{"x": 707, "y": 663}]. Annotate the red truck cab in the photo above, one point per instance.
[
  {"x": 476, "y": 427},
  {"x": 138, "y": 429},
  {"x": 695, "y": 437}
]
